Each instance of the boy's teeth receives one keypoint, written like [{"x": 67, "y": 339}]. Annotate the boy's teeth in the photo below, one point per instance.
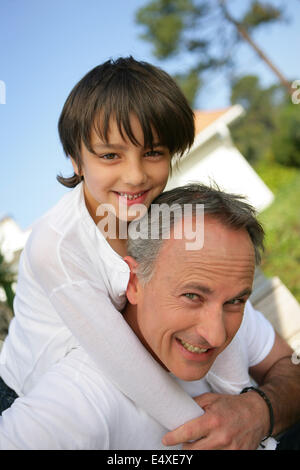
[
  {"x": 131, "y": 196},
  {"x": 192, "y": 348}
]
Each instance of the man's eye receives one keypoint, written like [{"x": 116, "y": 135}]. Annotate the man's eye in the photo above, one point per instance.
[
  {"x": 236, "y": 301},
  {"x": 191, "y": 296}
]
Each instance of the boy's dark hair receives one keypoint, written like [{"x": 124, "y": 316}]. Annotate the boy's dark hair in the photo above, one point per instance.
[{"x": 119, "y": 88}]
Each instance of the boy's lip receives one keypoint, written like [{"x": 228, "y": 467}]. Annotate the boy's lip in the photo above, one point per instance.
[
  {"x": 131, "y": 193},
  {"x": 131, "y": 197}
]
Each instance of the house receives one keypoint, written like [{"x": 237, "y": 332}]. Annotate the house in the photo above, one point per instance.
[
  {"x": 214, "y": 157},
  {"x": 12, "y": 239}
]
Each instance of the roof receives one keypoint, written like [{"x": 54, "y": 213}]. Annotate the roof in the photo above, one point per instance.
[{"x": 204, "y": 119}]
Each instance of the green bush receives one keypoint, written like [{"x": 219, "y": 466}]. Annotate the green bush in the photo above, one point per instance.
[
  {"x": 281, "y": 222},
  {"x": 286, "y": 140}
]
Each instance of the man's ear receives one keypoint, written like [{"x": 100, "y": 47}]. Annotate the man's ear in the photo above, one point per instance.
[
  {"x": 133, "y": 283},
  {"x": 75, "y": 166}
]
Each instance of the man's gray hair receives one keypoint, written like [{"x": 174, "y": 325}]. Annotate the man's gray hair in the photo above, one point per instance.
[{"x": 230, "y": 209}]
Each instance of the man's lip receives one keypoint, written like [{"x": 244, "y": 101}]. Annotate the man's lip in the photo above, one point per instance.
[
  {"x": 200, "y": 357},
  {"x": 194, "y": 344}
]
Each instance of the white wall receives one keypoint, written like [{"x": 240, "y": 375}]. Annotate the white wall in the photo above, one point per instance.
[{"x": 220, "y": 161}]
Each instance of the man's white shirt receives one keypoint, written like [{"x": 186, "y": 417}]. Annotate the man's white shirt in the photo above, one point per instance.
[{"x": 74, "y": 406}]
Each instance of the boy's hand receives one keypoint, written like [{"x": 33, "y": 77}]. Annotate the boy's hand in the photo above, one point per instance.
[{"x": 229, "y": 422}]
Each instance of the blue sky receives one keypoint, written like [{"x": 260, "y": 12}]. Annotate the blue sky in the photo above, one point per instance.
[{"x": 46, "y": 46}]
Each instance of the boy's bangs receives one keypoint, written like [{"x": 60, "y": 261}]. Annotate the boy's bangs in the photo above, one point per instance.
[{"x": 121, "y": 111}]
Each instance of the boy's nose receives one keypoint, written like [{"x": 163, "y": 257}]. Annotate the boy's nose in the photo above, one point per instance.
[{"x": 134, "y": 174}]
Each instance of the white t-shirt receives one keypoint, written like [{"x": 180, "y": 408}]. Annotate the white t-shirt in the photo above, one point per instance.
[{"x": 74, "y": 406}]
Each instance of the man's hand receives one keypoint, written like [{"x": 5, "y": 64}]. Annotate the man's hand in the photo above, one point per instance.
[{"x": 230, "y": 422}]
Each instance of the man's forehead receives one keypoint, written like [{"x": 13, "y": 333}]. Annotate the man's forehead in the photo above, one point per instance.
[{"x": 222, "y": 245}]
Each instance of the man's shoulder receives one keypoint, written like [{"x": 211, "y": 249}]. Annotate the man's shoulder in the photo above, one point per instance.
[
  {"x": 256, "y": 334},
  {"x": 125, "y": 425}
]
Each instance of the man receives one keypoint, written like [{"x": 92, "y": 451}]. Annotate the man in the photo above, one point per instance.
[{"x": 187, "y": 308}]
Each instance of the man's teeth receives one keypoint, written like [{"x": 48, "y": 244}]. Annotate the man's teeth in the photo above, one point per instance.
[
  {"x": 191, "y": 348},
  {"x": 131, "y": 196}
]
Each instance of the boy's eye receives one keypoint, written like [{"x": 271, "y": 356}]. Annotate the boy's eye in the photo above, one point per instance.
[
  {"x": 153, "y": 153},
  {"x": 109, "y": 156}
]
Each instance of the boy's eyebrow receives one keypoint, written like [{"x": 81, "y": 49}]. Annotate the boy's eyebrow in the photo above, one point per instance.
[
  {"x": 109, "y": 146},
  {"x": 121, "y": 147}
]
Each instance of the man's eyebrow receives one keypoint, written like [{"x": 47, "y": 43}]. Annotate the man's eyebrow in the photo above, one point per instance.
[
  {"x": 199, "y": 287},
  {"x": 244, "y": 292},
  {"x": 208, "y": 290}
]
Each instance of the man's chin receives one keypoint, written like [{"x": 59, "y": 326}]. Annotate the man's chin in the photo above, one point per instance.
[{"x": 188, "y": 375}]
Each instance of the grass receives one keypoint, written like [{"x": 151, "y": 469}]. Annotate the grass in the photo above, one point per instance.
[{"x": 282, "y": 225}]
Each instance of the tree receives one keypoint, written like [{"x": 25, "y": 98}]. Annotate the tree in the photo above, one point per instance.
[
  {"x": 207, "y": 32},
  {"x": 286, "y": 141},
  {"x": 253, "y": 133}
]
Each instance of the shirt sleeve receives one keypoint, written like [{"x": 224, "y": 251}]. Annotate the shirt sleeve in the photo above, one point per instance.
[
  {"x": 58, "y": 414},
  {"x": 259, "y": 335},
  {"x": 80, "y": 297}
]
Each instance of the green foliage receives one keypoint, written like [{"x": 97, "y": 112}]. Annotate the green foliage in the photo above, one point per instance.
[
  {"x": 165, "y": 22},
  {"x": 253, "y": 133},
  {"x": 261, "y": 13},
  {"x": 271, "y": 127},
  {"x": 282, "y": 225},
  {"x": 189, "y": 84},
  {"x": 276, "y": 176},
  {"x": 202, "y": 31},
  {"x": 286, "y": 141}
]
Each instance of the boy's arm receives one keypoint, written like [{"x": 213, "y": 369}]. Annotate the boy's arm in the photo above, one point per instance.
[
  {"x": 119, "y": 354},
  {"x": 80, "y": 297}
]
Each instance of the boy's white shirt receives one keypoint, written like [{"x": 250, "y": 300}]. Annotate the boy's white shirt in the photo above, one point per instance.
[{"x": 70, "y": 288}]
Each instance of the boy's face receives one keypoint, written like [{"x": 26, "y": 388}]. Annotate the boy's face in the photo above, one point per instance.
[{"x": 122, "y": 174}]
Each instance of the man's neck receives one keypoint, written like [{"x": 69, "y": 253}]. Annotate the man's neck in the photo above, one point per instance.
[{"x": 131, "y": 316}]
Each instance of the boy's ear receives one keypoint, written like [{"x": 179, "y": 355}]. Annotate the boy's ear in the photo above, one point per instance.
[
  {"x": 133, "y": 283},
  {"x": 75, "y": 166}
]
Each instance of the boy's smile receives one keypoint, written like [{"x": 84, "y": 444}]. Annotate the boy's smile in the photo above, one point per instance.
[{"x": 122, "y": 174}]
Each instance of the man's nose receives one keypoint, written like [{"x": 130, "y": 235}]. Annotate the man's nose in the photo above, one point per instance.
[
  {"x": 134, "y": 173},
  {"x": 211, "y": 326}
]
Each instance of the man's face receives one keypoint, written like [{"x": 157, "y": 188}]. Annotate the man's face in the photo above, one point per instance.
[{"x": 193, "y": 306}]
